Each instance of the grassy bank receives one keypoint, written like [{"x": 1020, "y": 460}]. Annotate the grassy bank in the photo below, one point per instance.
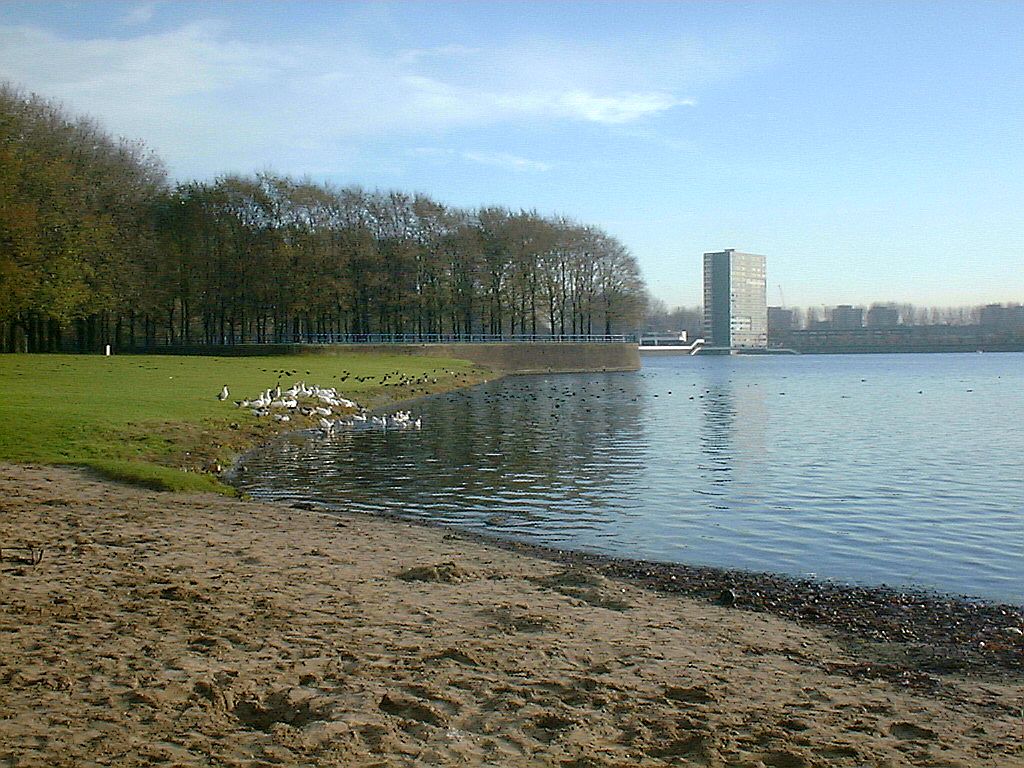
[{"x": 156, "y": 420}]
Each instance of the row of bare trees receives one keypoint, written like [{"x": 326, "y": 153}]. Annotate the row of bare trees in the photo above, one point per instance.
[
  {"x": 271, "y": 259},
  {"x": 97, "y": 248}
]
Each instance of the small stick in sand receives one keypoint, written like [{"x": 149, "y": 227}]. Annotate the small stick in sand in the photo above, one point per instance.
[{"x": 34, "y": 556}]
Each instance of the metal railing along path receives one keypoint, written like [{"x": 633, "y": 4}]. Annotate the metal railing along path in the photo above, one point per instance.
[{"x": 464, "y": 338}]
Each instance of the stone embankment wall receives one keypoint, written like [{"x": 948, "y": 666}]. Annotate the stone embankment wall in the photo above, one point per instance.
[{"x": 537, "y": 357}]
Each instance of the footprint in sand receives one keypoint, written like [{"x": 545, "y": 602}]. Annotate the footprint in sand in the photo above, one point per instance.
[
  {"x": 295, "y": 707},
  {"x": 509, "y": 620},
  {"x": 698, "y": 744},
  {"x": 456, "y": 655},
  {"x": 784, "y": 758},
  {"x": 442, "y": 573},
  {"x": 910, "y": 732},
  {"x": 548, "y": 727},
  {"x": 697, "y": 694},
  {"x": 591, "y": 588},
  {"x": 409, "y": 708}
]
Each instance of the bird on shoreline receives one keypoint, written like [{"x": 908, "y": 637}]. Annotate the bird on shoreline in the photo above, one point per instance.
[{"x": 319, "y": 403}]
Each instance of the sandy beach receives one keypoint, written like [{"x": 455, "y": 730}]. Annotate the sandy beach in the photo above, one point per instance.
[{"x": 186, "y": 630}]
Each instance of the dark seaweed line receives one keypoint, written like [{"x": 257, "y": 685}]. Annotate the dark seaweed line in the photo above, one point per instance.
[{"x": 928, "y": 632}]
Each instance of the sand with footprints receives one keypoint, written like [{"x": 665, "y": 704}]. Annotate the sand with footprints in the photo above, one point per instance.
[{"x": 182, "y": 630}]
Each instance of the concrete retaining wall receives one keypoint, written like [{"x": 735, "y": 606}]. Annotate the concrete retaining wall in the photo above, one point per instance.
[{"x": 535, "y": 357}]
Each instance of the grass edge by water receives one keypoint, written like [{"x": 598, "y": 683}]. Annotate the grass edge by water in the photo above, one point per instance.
[{"x": 162, "y": 428}]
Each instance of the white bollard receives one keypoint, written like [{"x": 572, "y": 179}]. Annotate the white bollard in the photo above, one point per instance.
[{"x": 108, "y": 350}]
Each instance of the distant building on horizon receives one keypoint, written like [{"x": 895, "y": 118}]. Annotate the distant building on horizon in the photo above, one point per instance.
[
  {"x": 735, "y": 303},
  {"x": 846, "y": 317},
  {"x": 780, "y": 322},
  {"x": 779, "y": 319},
  {"x": 883, "y": 316},
  {"x": 999, "y": 316}
]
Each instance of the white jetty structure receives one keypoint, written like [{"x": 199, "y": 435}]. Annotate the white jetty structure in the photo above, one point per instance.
[{"x": 668, "y": 344}]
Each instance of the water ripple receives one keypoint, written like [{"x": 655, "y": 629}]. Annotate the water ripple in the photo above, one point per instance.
[{"x": 852, "y": 475}]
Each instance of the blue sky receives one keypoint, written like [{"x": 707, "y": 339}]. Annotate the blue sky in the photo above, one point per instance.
[{"x": 872, "y": 151}]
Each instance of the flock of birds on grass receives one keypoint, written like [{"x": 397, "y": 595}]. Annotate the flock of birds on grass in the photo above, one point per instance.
[{"x": 320, "y": 403}]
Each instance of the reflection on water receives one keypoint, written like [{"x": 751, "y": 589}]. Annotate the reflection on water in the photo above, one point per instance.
[
  {"x": 717, "y": 433},
  {"x": 896, "y": 469},
  {"x": 510, "y": 456}
]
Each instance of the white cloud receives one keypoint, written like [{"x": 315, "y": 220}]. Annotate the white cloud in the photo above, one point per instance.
[
  {"x": 189, "y": 60},
  {"x": 624, "y": 108},
  {"x": 504, "y": 160},
  {"x": 582, "y": 105},
  {"x": 416, "y": 55},
  {"x": 430, "y": 152},
  {"x": 139, "y": 14},
  {"x": 210, "y": 102}
]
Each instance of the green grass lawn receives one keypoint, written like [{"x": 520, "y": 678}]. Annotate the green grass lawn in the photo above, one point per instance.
[{"x": 155, "y": 420}]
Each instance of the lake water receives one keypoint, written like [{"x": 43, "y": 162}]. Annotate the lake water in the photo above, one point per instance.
[{"x": 897, "y": 469}]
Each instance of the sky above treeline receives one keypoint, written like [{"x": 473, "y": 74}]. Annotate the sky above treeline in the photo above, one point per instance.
[{"x": 872, "y": 151}]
